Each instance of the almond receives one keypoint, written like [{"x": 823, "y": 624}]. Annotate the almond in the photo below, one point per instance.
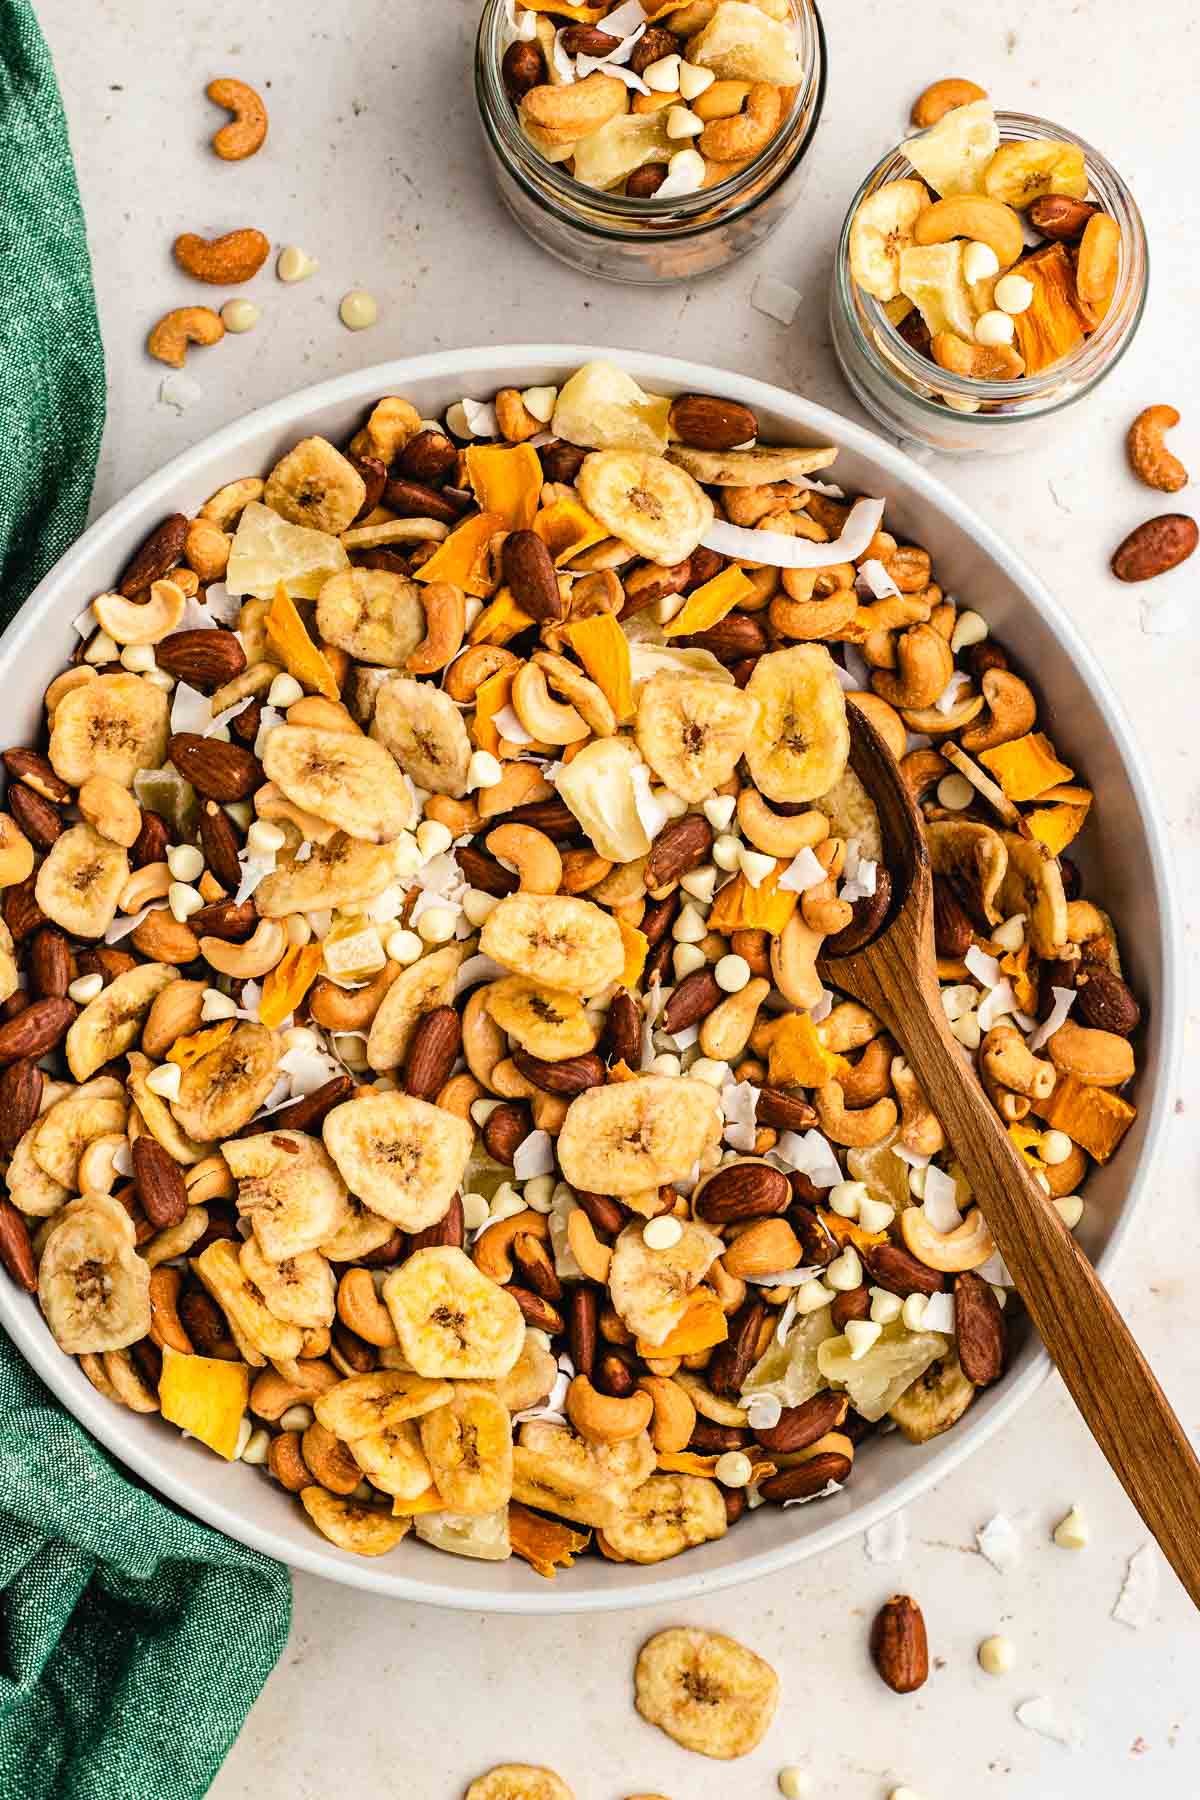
[
  {"x": 807, "y": 1479},
  {"x": 1061, "y": 218},
  {"x": 1107, "y": 1003},
  {"x": 432, "y": 1052},
  {"x": 733, "y": 1360},
  {"x": 22, "y": 914},
  {"x": 308, "y": 1113},
  {"x": 20, "y": 1099},
  {"x": 681, "y": 845},
  {"x": 448, "y": 1232},
  {"x": 816, "y": 1240},
  {"x": 150, "y": 845},
  {"x": 607, "y": 1215},
  {"x": 49, "y": 963},
  {"x": 530, "y": 573},
  {"x": 705, "y": 422},
  {"x": 160, "y": 553},
  {"x": 536, "y": 1266},
  {"x": 693, "y": 1000},
  {"x": 41, "y": 1027},
  {"x": 34, "y": 769},
  {"x": 763, "y": 1248},
  {"x": 219, "y": 842},
  {"x": 554, "y": 817},
  {"x": 800, "y": 1426},
  {"x": 204, "y": 659},
  {"x": 504, "y": 1129},
  {"x": 536, "y": 1312},
  {"x": 953, "y": 933},
  {"x": 39, "y": 820},
  {"x": 413, "y": 500},
  {"x": 1155, "y": 546},
  {"x": 622, "y": 1040},
  {"x": 899, "y": 1647},
  {"x": 225, "y": 919},
  {"x": 868, "y": 915},
  {"x": 217, "y": 771},
  {"x": 748, "y": 1190},
  {"x": 731, "y": 639},
  {"x": 784, "y": 1112},
  {"x": 429, "y": 457},
  {"x": 851, "y": 1304},
  {"x": 569, "y": 1076},
  {"x": 892, "y": 1268},
  {"x": 980, "y": 1330},
  {"x": 485, "y": 873},
  {"x": 374, "y": 480},
  {"x": 16, "y": 1251},
  {"x": 159, "y": 1181}
]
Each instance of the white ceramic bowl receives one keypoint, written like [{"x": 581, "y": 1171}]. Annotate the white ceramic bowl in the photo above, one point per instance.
[{"x": 1125, "y": 861}]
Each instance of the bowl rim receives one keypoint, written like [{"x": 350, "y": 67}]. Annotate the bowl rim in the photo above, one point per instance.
[{"x": 120, "y": 1433}]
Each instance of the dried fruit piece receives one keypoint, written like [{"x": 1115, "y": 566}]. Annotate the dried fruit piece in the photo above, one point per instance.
[
  {"x": 347, "y": 780},
  {"x": 668, "y": 1514},
  {"x": 652, "y": 505},
  {"x": 401, "y": 1156},
  {"x": 452, "y": 1320},
  {"x": 557, "y": 939},
  {"x": 80, "y": 882},
  {"x": 953, "y": 155},
  {"x": 931, "y": 276},
  {"x": 1021, "y": 172},
  {"x": 692, "y": 731},
  {"x": 267, "y": 550},
  {"x": 706, "y": 1691},
  {"x": 93, "y": 1287},
  {"x": 546, "y": 1022},
  {"x": 289, "y": 1190},
  {"x": 650, "y": 1289},
  {"x": 625, "y": 1138},
  {"x": 316, "y": 486},
  {"x": 353, "y": 1525},
  {"x": 882, "y": 227},
  {"x": 743, "y": 43},
  {"x": 800, "y": 743},
  {"x": 205, "y": 1397},
  {"x": 424, "y": 730},
  {"x": 519, "y": 1781},
  {"x": 115, "y": 725},
  {"x": 1052, "y": 325},
  {"x": 468, "y": 1445},
  {"x": 374, "y": 615},
  {"x": 603, "y": 408}
]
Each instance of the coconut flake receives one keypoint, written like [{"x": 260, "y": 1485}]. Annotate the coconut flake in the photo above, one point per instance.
[
  {"x": 783, "y": 1278},
  {"x": 802, "y": 873},
  {"x": 995, "y": 1271},
  {"x": 831, "y": 1487},
  {"x": 916, "y": 1159},
  {"x": 533, "y": 1156},
  {"x": 268, "y": 719},
  {"x": 683, "y": 1040},
  {"x": 255, "y": 869},
  {"x": 219, "y": 722},
  {"x": 307, "y": 1070},
  {"x": 939, "y": 1314},
  {"x": 191, "y": 710},
  {"x": 86, "y": 622},
  {"x": 303, "y": 850},
  {"x": 780, "y": 552},
  {"x": 887, "y": 1541},
  {"x": 196, "y": 617},
  {"x": 475, "y": 969},
  {"x": 650, "y": 811},
  {"x": 860, "y": 874},
  {"x": 1064, "y": 1000},
  {"x": 856, "y": 666},
  {"x": 739, "y": 1104},
  {"x": 999, "y": 1544},
  {"x": 985, "y": 968},
  {"x": 824, "y": 1006},
  {"x": 523, "y": 28},
  {"x": 810, "y": 1153},
  {"x": 564, "y": 68},
  {"x": 1041, "y": 1715},
  {"x": 777, "y": 299},
  {"x": 995, "y": 1003},
  {"x": 480, "y": 416},
  {"x": 1139, "y": 1591},
  {"x": 121, "y": 927},
  {"x": 874, "y": 577},
  {"x": 941, "y": 1203},
  {"x": 509, "y": 726},
  {"x": 221, "y": 604},
  {"x": 179, "y": 391},
  {"x": 948, "y": 698}
]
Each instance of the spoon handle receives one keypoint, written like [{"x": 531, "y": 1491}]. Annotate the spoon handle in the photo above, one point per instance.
[{"x": 1106, "y": 1374}]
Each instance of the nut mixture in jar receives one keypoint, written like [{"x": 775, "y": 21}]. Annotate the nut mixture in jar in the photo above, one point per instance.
[
  {"x": 416, "y": 1075},
  {"x": 990, "y": 259},
  {"x": 656, "y": 101}
]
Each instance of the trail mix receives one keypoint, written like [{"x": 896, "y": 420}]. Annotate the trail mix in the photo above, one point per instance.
[
  {"x": 955, "y": 275},
  {"x": 652, "y": 101},
  {"x": 417, "y": 1075}
]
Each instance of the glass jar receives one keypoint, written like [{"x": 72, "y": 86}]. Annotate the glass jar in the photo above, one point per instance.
[
  {"x": 644, "y": 240},
  {"x": 924, "y": 406}
]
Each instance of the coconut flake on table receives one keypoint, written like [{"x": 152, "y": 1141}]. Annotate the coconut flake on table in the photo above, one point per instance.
[
  {"x": 739, "y": 1105},
  {"x": 802, "y": 873},
  {"x": 831, "y": 1487},
  {"x": 941, "y": 1203},
  {"x": 875, "y": 579},
  {"x": 1139, "y": 1590},
  {"x": 1064, "y": 1000},
  {"x": 777, "y": 299},
  {"x": 780, "y": 552},
  {"x": 999, "y": 1543},
  {"x": 1162, "y": 615},
  {"x": 939, "y": 1314},
  {"x": 887, "y": 1541},
  {"x": 810, "y": 1153},
  {"x": 1042, "y": 1716},
  {"x": 533, "y": 1156},
  {"x": 948, "y": 698},
  {"x": 179, "y": 392}
]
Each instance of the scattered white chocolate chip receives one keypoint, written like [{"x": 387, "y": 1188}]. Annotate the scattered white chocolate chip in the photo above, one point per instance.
[
  {"x": 1069, "y": 1208},
  {"x": 483, "y": 771},
  {"x": 358, "y": 310},
  {"x": 876, "y": 1215},
  {"x": 1013, "y": 293},
  {"x": 955, "y": 792},
  {"x": 183, "y": 900},
  {"x": 777, "y": 299},
  {"x": 475, "y": 1211},
  {"x": 284, "y": 691},
  {"x": 685, "y": 175},
  {"x": 539, "y": 403},
  {"x": 719, "y": 810},
  {"x": 885, "y": 1306},
  {"x": 436, "y": 925},
  {"x": 731, "y": 974},
  {"x": 240, "y": 315},
  {"x": 1071, "y": 1532},
  {"x": 1054, "y": 1148},
  {"x": 662, "y": 1233},
  {"x": 264, "y": 838},
  {"x": 999, "y": 1544},
  {"x": 295, "y": 264},
  {"x": 997, "y": 1655},
  {"x": 686, "y": 959},
  {"x": 861, "y": 1335},
  {"x": 913, "y": 1311},
  {"x": 662, "y": 77},
  {"x": 139, "y": 659}
]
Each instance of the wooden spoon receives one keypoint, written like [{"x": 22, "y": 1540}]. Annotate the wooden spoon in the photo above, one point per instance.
[{"x": 895, "y": 976}]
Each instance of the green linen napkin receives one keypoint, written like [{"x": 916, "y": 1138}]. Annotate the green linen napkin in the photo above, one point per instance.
[{"x": 133, "y": 1640}]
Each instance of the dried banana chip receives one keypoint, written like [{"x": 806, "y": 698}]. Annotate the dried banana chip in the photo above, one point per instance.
[{"x": 706, "y": 1691}]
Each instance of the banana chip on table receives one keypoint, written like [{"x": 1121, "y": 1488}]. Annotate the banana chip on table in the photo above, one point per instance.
[
  {"x": 519, "y": 1781},
  {"x": 706, "y": 1691}
]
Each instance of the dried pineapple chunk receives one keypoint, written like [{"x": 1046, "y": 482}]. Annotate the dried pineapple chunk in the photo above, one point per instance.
[
  {"x": 931, "y": 275},
  {"x": 206, "y": 1397},
  {"x": 267, "y": 550},
  {"x": 740, "y": 43},
  {"x": 603, "y": 408},
  {"x": 606, "y": 156},
  {"x": 1022, "y": 172},
  {"x": 954, "y": 153}
]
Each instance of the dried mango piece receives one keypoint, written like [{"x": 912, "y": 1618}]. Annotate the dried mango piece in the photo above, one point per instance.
[
  {"x": 702, "y": 1325},
  {"x": 740, "y": 907},
  {"x": 1027, "y": 1139},
  {"x": 288, "y": 982},
  {"x": 206, "y": 1397},
  {"x": 579, "y": 15},
  {"x": 1026, "y": 766},
  {"x": 547, "y": 1545},
  {"x": 502, "y": 620},
  {"x": 621, "y": 1071},
  {"x": 846, "y": 1231},
  {"x": 1015, "y": 964},
  {"x": 507, "y": 482},
  {"x": 288, "y": 637},
  {"x": 603, "y": 649},
  {"x": 708, "y": 605},
  {"x": 689, "y": 1462},
  {"x": 796, "y": 1055},
  {"x": 427, "y": 1502},
  {"x": 462, "y": 557},
  {"x": 637, "y": 947},
  {"x": 491, "y": 696},
  {"x": 1094, "y": 1118},
  {"x": 1052, "y": 325},
  {"x": 187, "y": 1050},
  {"x": 1060, "y": 818},
  {"x": 566, "y": 528}
]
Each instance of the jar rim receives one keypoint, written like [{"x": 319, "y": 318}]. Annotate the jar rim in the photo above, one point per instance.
[
  {"x": 636, "y": 216},
  {"x": 1081, "y": 370}
]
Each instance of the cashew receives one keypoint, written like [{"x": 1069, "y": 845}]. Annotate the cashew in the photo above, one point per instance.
[
  {"x": 822, "y": 909},
  {"x": 884, "y": 718},
  {"x": 1149, "y": 457},
  {"x": 975, "y": 216},
  {"x": 896, "y": 612},
  {"x": 1005, "y": 1058},
  {"x": 328, "y": 1460},
  {"x": 601, "y": 1419},
  {"x": 247, "y": 130},
  {"x": 775, "y": 834},
  {"x": 254, "y": 680},
  {"x": 549, "y": 1111},
  {"x": 360, "y": 1308},
  {"x": 674, "y": 1417},
  {"x": 932, "y": 723},
  {"x": 794, "y": 962},
  {"x": 492, "y": 1249},
  {"x": 856, "y": 1130},
  {"x": 725, "y": 1032},
  {"x": 161, "y": 938},
  {"x": 982, "y": 362},
  {"x": 144, "y": 885},
  {"x": 723, "y": 100},
  {"x": 564, "y": 114},
  {"x": 920, "y": 1129},
  {"x": 256, "y": 957},
  {"x": 729, "y": 1289},
  {"x": 271, "y": 1394},
  {"x": 169, "y": 339},
  {"x": 521, "y": 784},
  {"x": 508, "y": 1081},
  {"x": 227, "y": 505},
  {"x": 176, "y": 1240},
  {"x": 459, "y": 1095},
  {"x": 942, "y": 97},
  {"x": 445, "y": 626},
  {"x": 922, "y": 770},
  {"x": 209, "y": 1180},
  {"x": 582, "y": 869},
  {"x": 1099, "y": 1058},
  {"x": 534, "y": 856},
  {"x": 96, "y": 1171},
  {"x": 321, "y": 714},
  {"x": 761, "y": 1248},
  {"x": 1012, "y": 712},
  {"x": 848, "y": 1027},
  {"x": 165, "y": 1327},
  {"x": 542, "y": 717},
  {"x": 625, "y": 884},
  {"x": 926, "y": 664},
  {"x": 286, "y": 1463},
  {"x": 350, "y": 1009},
  {"x": 746, "y": 133},
  {"x": 468, "y": 672},
  {"x": 458, "y": 816},
  {"x": 968, "y": 1246},
  {"x": 141, "y": 622},
  {"x": 112, "y": 809},
  {"x": 871, "y": 1076},
  {"x": 483, "y": 1043},
  {"x": 592, "y": 1256},
  {"x": 810, "y": 620},
  {"x": 585, "y": 695},
  {"x": 225, "y": 261}
]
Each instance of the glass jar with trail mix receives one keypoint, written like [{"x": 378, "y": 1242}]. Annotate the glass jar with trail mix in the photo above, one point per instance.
[
  {"x": 657, "y": 151},
  {"x": 991, "y": 272}
]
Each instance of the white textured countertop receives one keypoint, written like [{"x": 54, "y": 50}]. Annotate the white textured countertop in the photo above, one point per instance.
[{"x": 374, "y": 165}]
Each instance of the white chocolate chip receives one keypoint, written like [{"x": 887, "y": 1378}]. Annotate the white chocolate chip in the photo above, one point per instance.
[
  {"x": 662, "y": 77},
  {"x": 85, "y": 988},
  {"x": 979, "y": 262},
  {"x": 164, "y": 1081},
  {"x": 994, "y": 328},
  {"x": 875, "y": 1215},
  {"x": 997, "y": 1655},
  {"x": 404, "y": 947},
  {"x": 358, "y": 310},
  {"x": 683, "y": 123},
  {"x": 139, "y": 659},
  {"x": 483, "y": 771},
  {"x": 475, "y": 1211},
  {"x": 436, "y": 925},
  {"x": 845, "y": 1271},
  {"x": 539, "y": 403},
  {"x": 861, "y": 1334},
  {"x": 432, "y": 838},
  {"x": 913, "y": 1311},
  {"x": 955, "y": 792},
  {"x": 240, "y": 315},
  {"x": 295, "y": 264},
  {"x": 183, "y": 900},
  {"x": 731, "y": 974},
  {"x": 284, "y": 691},
  {"x": 662, "y": 1233},
  {"x": 1013, "y": 293},
  {"x": 686, "y": 959},
  {"x": 885, "y": 1306},
  {"x": 1069, "y": 1208},
  {"x": 733, "y": 1469},
  {"x": 185, "y": 862},
  {"x": 969, "y": 628},
  {"x": 264, "y": 839},
  {"x": 1055, "y": 1148},
  {"x": 694, "y": 81},
  {"x": 1071, "y": 1533},
  {"x": 845, "y": 1197}
]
